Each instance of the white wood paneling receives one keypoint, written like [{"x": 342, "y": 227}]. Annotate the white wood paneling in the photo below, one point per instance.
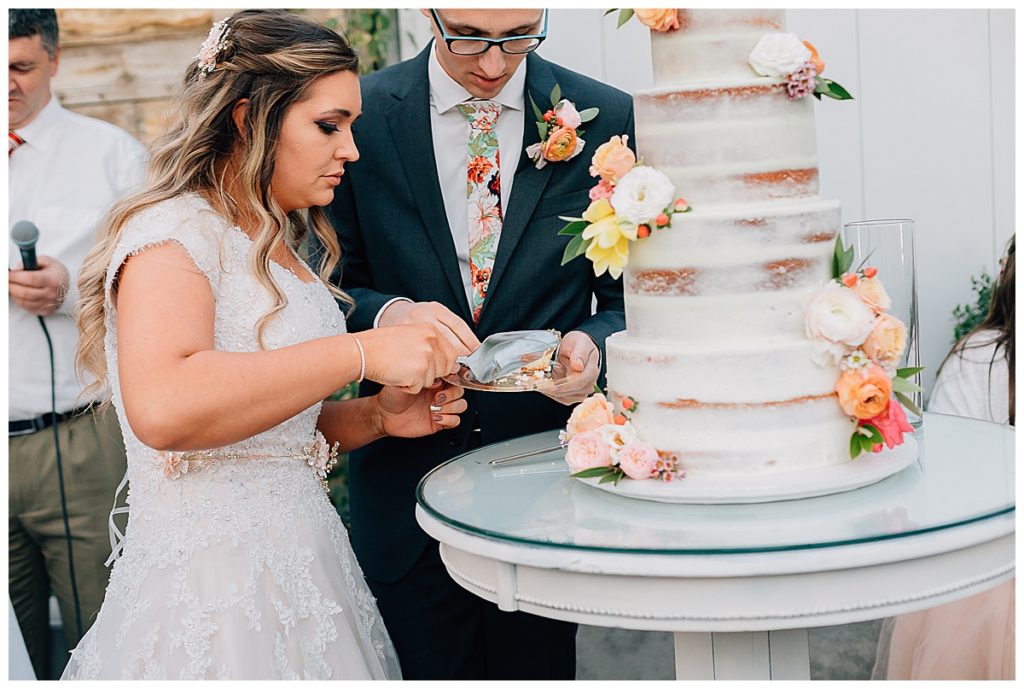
[{"x": 1001, "y": 56}]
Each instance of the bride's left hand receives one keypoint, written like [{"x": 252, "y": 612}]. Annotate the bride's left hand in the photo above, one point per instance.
[{"x": 410, "y": 416}]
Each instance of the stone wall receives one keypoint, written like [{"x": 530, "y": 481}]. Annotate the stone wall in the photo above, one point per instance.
[{"x": 126, "y": 66}]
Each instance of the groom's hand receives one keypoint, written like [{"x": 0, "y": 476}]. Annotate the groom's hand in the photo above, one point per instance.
[
  {"x": 438, "y": 315},
  {"x": 582, "y": 360}
]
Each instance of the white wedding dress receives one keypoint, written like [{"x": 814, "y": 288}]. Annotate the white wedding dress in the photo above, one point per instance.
[{"x": 239, "y": 567}]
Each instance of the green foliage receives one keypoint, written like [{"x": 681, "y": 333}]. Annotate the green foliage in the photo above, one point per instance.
[
  {"x": 968, "y": 316},
  {"x": 842, "y": 259}
]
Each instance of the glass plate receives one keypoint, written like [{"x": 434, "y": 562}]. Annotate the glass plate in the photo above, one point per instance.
[{"x": 552, "y": 380}]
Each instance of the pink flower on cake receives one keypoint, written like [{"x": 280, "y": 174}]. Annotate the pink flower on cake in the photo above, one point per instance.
[
  {"x": 587, "y": 450},
  {"x": 589, "y": 415},
  {"x": 638, "y": 460},
  {"x": 892, "y": 424},
  {"x": 837, "y": 315},
  {"x": 887, "y": 340},
  {"x": 602, "y": 190},
  {"x": 612, "y": 160},
  {"x": 873, "y": 293},
  {"x": 659, "y": 20},
  {"x": 864, "y": 393}
]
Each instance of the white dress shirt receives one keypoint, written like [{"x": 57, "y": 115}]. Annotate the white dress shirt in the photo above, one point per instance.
[
  {"x": 66, "y": 175},
  {"x": 450, "y": 130},
  {"x": 976, "y": 382}
]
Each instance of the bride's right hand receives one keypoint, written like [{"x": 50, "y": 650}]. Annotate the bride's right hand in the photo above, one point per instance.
[{"x": 411, "y": 357}]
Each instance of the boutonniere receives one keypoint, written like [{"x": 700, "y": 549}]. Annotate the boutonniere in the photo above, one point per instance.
[{"x": 560, "y": 136}]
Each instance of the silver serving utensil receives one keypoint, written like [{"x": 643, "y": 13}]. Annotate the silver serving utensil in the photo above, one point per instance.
[{"x": 523, "y": 455}]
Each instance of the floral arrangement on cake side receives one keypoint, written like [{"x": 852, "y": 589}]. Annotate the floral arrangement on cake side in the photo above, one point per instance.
[
  {"x": 602, "y": 443},
  {"x": 847, "y": 319},
  {"x": 784, "y": 55},
  {"x": 629, "y": 202}
]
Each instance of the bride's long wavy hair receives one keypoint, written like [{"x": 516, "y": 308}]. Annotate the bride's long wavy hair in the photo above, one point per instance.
[{"x": 270, "y": 57}]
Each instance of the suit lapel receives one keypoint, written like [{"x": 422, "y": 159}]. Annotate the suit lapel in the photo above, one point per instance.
[
  {"x": 529, "y": 181},
  {"x": 409, "y": 122}
]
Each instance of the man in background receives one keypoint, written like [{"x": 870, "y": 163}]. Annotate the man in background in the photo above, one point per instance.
[{"x": 66, "y": 170}]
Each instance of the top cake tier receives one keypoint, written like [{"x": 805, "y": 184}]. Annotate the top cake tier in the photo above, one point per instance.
[{"x": 710, "y": 44}]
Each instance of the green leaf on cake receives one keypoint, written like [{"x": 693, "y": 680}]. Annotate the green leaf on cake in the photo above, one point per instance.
[
  {"x": 556, "y": 95},
  {"x": 909, "y": 371},
  {"x": 842, "y": 259},
  {"x": 568, "y": 218},
  {"x": 577, "y": 247},
  {"x": 598, "y": 390},
  {"x": 588, "y": 114},
  {"x": 874, "y": 438},
  {"x": 855, "y": 445},
  {"x": 607, "y": 12},
  {"x": 624, "y": 16},
  {"x": 536, "y": 110},
  {"x": 905, "y": 386},
  {"x": 827, "y": 87},
  {"x": 574, "y": 228},
  {"x": 593, "y": 472},
  {"x": 908, "y": 403},
  {"x": 611, "y": 477}
]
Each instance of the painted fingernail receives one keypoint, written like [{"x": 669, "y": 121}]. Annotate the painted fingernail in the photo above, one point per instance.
[
  {"x": 441, "y": 398},
  {"x": 437, "y": 417}
]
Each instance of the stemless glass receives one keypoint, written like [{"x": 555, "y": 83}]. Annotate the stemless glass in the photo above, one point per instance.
[{"x": 888, "y": 245}]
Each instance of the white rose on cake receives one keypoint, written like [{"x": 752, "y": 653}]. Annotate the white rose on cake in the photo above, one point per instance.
[
  {"x": 617, "y": 437},
  {"x": 642, "y": 194},
  {"x": 839, "y": 317},
  {"x": 778, "y": 55}
]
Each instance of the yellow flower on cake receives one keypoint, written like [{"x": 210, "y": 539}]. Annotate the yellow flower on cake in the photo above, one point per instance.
[{"x": 610, "y": 238}]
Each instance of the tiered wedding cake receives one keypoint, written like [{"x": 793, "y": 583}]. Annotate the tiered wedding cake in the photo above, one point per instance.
[{"x": 714, "y": 361}]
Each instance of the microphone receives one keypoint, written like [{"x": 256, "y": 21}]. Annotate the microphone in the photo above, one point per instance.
[{"x": 25, "y": 234}]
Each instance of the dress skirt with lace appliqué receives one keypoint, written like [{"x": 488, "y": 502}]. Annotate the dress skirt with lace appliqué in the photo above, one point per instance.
[{"x": 238, "y": 567}]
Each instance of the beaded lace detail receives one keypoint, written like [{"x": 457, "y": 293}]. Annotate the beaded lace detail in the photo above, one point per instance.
[{"x": 242, "y": 570}]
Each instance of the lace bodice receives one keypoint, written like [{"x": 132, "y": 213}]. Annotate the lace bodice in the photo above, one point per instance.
[{"x": 240, "y": 552}]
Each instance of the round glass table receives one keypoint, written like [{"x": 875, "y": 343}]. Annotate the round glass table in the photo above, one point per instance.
[{"x": 737, "y": 584}]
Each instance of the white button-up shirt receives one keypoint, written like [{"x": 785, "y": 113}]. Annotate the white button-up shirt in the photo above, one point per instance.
[
  {"x": 66, "y": 175},
  {"x": 450, "y": 130}
]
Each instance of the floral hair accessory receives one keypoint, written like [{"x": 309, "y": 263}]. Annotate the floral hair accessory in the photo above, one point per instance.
[
  {"x": 560, "y": 136},
  {"x": 216, "y": 41}
]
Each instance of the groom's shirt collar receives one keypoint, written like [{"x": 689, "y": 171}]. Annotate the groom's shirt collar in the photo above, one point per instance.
[{"x": 446, "y": 93}]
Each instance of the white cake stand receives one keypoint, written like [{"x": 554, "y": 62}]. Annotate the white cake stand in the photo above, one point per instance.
[{"x": 859, "y": 472}]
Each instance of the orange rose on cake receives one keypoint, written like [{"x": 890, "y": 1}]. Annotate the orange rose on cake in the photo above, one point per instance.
[
  {"x": 589, "y": 415},
  {"x": 887, "y": 340},
  {"x": 864, "y": 393},
  {"x": 612, "y": 160},
  {"x": 659, "y": 20}
]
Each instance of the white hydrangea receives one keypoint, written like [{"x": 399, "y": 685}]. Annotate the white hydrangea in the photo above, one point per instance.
[
  {"x": 642, "y": 194},
  {"x": 778, "y": 55}
]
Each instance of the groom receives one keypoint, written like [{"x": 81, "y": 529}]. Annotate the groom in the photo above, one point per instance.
[{"x": 417, "y": 219}]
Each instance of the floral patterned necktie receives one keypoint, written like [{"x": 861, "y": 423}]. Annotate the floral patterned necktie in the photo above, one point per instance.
[
  {"x": 483, "y": 194},
  {"x": 13, "y": 141}
]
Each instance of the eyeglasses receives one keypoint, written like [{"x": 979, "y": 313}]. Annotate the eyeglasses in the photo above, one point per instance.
[{"x": 472, "y": 45}]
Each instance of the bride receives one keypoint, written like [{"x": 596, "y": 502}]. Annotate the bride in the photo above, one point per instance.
[{"x": 217, "y": 345}]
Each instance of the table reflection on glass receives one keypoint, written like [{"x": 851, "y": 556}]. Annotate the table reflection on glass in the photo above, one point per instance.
[{"x": 732, "y": 581}]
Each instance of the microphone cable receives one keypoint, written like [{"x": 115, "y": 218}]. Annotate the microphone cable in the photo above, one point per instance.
[{"x": 60, "y": 480}]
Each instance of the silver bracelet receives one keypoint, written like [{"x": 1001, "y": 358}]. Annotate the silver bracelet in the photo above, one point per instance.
[{"x": 362, "y": 359}]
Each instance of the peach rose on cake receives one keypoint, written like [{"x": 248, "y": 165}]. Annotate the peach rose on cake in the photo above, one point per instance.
[
  {"x": 659, "y": 20},
  {"x": 864, "y": 393},
  {"x": 612, "y": 160},
  {"x": 589, "y": 415},
  {"x": 872, "y": 291},
  {"x": 638, "y": 460},
  {"x": 587, "y": 450},
  {"x": 887, "y": 340}
]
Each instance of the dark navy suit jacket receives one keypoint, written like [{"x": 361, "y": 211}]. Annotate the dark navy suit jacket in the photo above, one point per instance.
[{"x": 391, "y": 223}]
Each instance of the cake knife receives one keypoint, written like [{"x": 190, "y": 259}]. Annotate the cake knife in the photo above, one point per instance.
[{"x": 524, "y": 455}]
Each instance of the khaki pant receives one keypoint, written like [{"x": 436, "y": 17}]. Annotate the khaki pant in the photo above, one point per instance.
[{"x": 93, "y": 461}]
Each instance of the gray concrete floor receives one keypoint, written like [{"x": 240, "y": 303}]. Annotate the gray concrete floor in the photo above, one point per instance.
[
  {"x": 837, "y": 653},
  {"x": 603, "y": 653}
]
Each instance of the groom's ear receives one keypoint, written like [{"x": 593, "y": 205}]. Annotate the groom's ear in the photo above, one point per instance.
[{"x": 238, "y": 117}]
